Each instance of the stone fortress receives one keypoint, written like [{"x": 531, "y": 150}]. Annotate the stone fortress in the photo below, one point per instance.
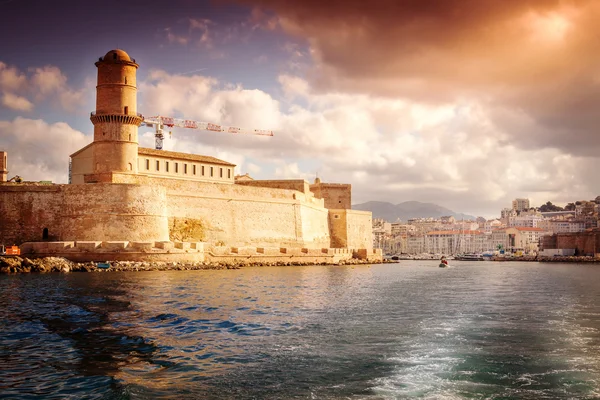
[{"x": 125, "y": 202}]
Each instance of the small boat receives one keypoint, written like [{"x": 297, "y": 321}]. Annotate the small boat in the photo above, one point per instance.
[
  {"x": 103, "y": 265},
  {"x": 442, "y": 265},
  {"x": 469, "y": 257}
]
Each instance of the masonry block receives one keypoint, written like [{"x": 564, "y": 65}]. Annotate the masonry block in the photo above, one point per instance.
[
  {"x": 141, "y": 246},
  {"x": 87, "y": 246},
  {"x": 60, "y": 246},
  {"x": 114, "y": 245},
  {"x": 163, "y": 245},
  {"x": 198, "y": 246},
  {"x": 182, "y": 245}
]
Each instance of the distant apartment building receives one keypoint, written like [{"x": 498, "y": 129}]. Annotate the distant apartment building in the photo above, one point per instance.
[
  {"x": 520, "y": 205},
  {"x": 517, "y": 238},
  {"x": 425, "y": 225},
  {"x": 399, "y": 228},
  {"x": 490, "y": 225},
  {"x": 527, "y": 220},
  {"x": 415, "y": 244}
]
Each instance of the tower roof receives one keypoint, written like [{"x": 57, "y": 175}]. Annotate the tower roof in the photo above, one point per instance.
[{"x": 117, "y": 55}]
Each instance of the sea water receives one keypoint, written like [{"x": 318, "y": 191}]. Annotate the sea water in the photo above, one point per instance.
[{"x": 478, "y": 330}]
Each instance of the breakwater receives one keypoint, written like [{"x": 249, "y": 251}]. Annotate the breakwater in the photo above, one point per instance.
[{"x": 58, "y": 264}]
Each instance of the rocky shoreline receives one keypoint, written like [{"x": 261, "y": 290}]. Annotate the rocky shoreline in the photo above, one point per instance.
[{"x": 10, "y": 265}]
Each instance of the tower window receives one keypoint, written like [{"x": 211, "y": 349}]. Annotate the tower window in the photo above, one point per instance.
[
  {"x": 176, "y": 168},
  {"x": 203, "y": 170},
  {"x": 126, "y": 111},
  {"x": 157, "y": 165},
  {"x": 167, "y": 166},
  {"x": 212, "y": 171},
  {"x": 229, "y": 173},
  {"x": 114, "y": 56},
  {"x": 220, "y": 172},
  {"x": 147, "y": 164},
  {"x": 194, "y": 169},
  {"x": 185, "y": 169},
  {"x": 45, "y": 234},
  {"x": 126, "y": 80}
]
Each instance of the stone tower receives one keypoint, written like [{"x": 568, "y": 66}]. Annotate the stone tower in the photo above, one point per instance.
[
  {"x": 116, "y": 119},
  {"x": 3, "y": 166}
]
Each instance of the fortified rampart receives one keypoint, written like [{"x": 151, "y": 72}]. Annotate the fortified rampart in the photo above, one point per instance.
[
  {"x": 130, "y": 202},
  {"x": 82, "y": 212}
]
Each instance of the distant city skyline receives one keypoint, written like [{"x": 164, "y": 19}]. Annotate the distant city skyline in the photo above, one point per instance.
[{"x": 467, "y": 104}]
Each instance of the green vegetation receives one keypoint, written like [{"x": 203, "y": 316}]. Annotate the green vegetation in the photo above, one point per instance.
[{"x": 548, "y": 207}]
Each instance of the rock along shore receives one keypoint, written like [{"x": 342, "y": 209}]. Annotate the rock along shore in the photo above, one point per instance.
[{"x": 57, "y": 264}]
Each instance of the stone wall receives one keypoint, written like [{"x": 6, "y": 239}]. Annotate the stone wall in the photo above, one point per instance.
[
  {"x": 584, "y": 243},
  {"x": 350, "y": 229},
  {"x": 239, "y": 215},
  {"x": 31, "y": 212},
  {"x": 26, "y": 210},
  {"x": 114, "y": 212},
  {"x": 142, "y": 208},
  {"x": 290, "y": 184},
  {"x": 335, "y": 195}
]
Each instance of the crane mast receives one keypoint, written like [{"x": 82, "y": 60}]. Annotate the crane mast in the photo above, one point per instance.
[{"x": 160, "y": 122}]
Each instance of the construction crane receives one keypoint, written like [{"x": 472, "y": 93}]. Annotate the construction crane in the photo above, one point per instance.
[{"x": 160, "y": 122}]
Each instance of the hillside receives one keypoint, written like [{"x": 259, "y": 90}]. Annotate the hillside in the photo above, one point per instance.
[{"x": 407, "y": 210}]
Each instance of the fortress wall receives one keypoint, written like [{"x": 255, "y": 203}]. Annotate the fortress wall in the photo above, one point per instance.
[
  {"x": 114, "y": 212},
  {"x": 359, "y": 229},
  {"x": 290, "y": 184},
  {"x": 335, "y": 195},
  {"x": 25, "y": 210},
  {"x": 315, "y": 226},
  {"x": 241, "y": 215},
  {"x": 350, "y": 229}
]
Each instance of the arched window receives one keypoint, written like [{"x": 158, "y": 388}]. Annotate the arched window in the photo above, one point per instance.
[
  {"x": 129, "y": 167},
  {"x": 45, "y": 234}
]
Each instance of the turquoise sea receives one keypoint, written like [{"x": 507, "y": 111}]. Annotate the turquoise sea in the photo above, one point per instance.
[{"x": 478, "y": 330}]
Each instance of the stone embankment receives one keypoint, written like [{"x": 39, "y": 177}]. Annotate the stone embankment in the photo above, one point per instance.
[
  {"x": 562, "y": 259},
  {"x": 57, "y": 264}
]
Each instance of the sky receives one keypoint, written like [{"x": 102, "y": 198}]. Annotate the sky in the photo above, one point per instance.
[{"x": 468, "y": 104}]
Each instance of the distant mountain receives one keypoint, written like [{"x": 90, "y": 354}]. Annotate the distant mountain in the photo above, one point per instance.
[{"x": 407, "y": 210}]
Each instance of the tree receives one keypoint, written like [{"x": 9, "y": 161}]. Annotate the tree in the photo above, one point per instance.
[
  {"x": 549, "y": 207},
  {"x": 570, "y": 207}
]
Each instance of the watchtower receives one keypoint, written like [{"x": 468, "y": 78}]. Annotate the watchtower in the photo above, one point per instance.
[{"x": 116, "y": 119}]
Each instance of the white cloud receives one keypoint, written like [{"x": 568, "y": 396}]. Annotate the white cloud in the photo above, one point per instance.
[
  {"x": 38, "y": 150},
  {"x": 15, "y": 102},
  {"x": 11, "y": 79},
  {"x": 394, "y": 150},
  {"x": 44, "y": 83}
]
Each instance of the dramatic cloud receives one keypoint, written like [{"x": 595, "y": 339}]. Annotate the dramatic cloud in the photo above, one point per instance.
[
  {"x": 390, "y": 149},
  {"x": 529, "y": 60},
  {"x": 38, "y": 150},
  {"x": 44, "y": 83}
]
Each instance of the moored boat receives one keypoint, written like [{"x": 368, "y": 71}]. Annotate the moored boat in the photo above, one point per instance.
[{"x": 469, "y": 257}]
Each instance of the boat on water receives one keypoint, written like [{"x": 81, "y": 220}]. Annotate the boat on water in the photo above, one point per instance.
[
  {"x": 469, "y": 257},
  {"x": 442, "y": 265}
]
